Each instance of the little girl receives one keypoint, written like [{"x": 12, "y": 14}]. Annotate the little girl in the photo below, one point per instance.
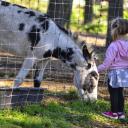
[{"x": 116, "y": 62}]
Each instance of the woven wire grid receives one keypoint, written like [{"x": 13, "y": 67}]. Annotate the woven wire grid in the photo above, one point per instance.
[{"x": 57, "y": 77}]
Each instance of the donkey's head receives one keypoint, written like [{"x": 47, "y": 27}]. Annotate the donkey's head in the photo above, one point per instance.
[{"x": 86, "y": 75}]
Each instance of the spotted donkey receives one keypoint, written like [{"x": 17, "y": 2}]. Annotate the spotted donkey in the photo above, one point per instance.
[{"x": 37, "y": 38}]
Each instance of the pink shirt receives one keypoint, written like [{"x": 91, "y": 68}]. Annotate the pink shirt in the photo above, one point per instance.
[{"x": 116, "y": 56}]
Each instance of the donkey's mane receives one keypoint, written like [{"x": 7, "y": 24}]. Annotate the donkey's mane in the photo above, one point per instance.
[{"x": 64, "y": 30}]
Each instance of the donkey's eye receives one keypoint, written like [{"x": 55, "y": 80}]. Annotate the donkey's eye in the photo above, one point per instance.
[
  {"x": 114, "y": 26},
  {"x": 89, "y": 66}
]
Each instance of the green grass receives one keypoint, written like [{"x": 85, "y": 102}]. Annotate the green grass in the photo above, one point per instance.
[{"x": 58, "y": 113}]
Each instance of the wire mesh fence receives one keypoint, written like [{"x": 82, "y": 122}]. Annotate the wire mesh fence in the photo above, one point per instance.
[{"x": 57, "y": 75}]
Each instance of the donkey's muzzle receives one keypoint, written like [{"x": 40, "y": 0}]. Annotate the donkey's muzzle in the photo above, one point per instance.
[{"x": 91, "y": 82}]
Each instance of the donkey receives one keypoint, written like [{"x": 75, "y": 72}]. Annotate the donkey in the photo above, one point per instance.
[{"x": 37, "y": 38}]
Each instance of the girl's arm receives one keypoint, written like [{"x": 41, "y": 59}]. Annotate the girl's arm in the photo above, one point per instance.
[{"x": 109, "y": 58}]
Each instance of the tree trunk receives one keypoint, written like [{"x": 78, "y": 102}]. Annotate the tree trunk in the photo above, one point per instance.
[
  {"x": 60, "y": 11},
  {"x": 115, "y": 10},
  {"x": 88, "y": 11}
]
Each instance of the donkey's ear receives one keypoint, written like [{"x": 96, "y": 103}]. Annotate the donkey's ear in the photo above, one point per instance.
[{"x": 86, "y": 53}]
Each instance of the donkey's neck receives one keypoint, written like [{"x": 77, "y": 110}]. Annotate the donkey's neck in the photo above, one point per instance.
[
  {"x": 68, "y": 52},
  {"x": 65, "y": 48}
]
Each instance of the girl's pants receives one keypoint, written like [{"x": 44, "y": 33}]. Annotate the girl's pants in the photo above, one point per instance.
[{"x": 116, "y": 99}]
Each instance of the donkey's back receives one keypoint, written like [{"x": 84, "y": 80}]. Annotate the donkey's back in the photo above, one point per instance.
[{"x": 22, "y": 29}]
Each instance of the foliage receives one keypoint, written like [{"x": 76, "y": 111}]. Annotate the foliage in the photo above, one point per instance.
[{"x": 97, "y": 26}]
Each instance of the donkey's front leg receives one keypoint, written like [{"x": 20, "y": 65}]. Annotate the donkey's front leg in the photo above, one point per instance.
[
  {"x": 38, "y": 77},
  {"x": 27, "y": 65}
]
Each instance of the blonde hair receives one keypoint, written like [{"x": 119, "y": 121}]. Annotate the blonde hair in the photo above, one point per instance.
[{"x": 119, "y": 27}]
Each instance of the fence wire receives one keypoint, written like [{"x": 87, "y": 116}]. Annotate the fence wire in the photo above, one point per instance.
[{"x": 58, "y": 77}]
